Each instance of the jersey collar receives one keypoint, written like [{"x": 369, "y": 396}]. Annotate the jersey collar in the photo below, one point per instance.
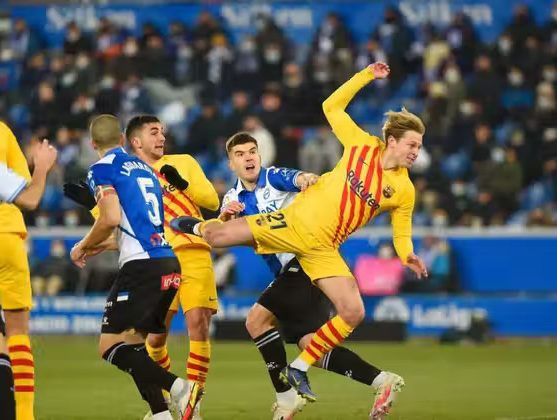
[
  {"x": 261, "y": 181},
  {"x": 115, "y": 150}
]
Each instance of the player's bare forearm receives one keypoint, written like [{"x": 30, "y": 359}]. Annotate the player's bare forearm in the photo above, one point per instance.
[
  {"x": 30, "y": 197},
  {"x": 99, "y": 233},
  {"x": 340, "y": 98},
  {"x": 109, "y": 218}
]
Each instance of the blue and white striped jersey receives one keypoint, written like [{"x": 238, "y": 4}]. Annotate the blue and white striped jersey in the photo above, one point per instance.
[
  {"x": 275, "y": 190},
  {"x": 141, "y": 231}
]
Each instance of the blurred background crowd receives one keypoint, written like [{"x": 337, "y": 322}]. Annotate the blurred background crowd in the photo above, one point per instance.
[{"x": 490, "y": 150}]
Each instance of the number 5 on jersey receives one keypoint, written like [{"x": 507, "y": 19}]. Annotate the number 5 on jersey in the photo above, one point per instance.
[{"x": 150, "y": 198}]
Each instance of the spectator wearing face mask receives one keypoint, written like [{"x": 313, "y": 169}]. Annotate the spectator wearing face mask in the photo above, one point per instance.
[
  {"x": 437, "y": 257},
  {"x": 517, "y": 97},
  {"x": 55, "y": 273}
]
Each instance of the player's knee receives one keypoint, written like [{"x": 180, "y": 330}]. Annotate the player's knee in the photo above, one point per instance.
[
  {"x": 353, "y": 315},
  {"x": 256, "y": 323},
  {"x": 156, "y": 340}
]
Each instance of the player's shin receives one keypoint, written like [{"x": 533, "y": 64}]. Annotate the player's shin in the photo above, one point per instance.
[
  {"x": 199, "y": 358},
  {"x": 23, "y": 366},
  {"x": 272, "y": 350},
  {"x": 133, "y": 359},
  {"x": 347, "y": 363},
  {"x": 330, "y": 335}
]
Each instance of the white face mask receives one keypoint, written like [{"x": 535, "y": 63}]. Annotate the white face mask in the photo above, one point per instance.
[
  {"x": 385, "y": 252},
  {"x": 452, "y": 75},
  {"x": 439, "y": 221},
  {"x": 458, "y": 189},
  {"x": 466, "y": 108},
  {"x": 545, "y": 103},
  {"x": 505, "y": 45},
  {"x": 550, "y": 74},
  {"x": 498, "y": 155},
  {"x": 516, "y": 78}
]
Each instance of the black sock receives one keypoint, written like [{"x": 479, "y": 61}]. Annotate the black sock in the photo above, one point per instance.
[
  {"x": 152, "y": 394},
  {"x": 133, "y": 359},
  {"x": 7, "y": 399},
  {"x": 347, "y": 363},
  {"x": 271, "y": 347}
]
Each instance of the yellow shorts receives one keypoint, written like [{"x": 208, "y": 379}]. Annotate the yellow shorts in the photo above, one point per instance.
[
  {"x": 15, "y": 282},
  {"x": 280, "y": 231},
  {"x": 198, "y": 288}
]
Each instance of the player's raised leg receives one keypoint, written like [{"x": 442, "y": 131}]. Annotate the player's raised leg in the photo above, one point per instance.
[{"x": 216, "y": 233}]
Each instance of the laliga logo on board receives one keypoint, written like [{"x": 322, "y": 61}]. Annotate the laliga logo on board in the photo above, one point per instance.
[{"x": 392, "y": 309}]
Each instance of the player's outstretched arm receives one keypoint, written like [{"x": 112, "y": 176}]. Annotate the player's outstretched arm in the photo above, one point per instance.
[
  {"x": 43, "y": 159},
  {"x": 109, "y": 218},
  {"x": 335, "y": 105},
  {"x": 401, "y": 220},
  {"x": 304, "y": 180}
]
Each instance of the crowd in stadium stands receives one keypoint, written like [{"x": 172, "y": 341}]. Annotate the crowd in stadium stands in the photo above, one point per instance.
[{"x": 490, "y": 155}]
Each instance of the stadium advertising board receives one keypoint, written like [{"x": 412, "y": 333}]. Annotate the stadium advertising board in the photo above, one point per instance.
[
  {"x": 299, "y": 19},
  {"x": 425, "y": 315}
]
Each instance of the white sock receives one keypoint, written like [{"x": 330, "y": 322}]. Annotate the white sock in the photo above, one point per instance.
[
  {"x": 196, "y": 228},
  {"x": 179, "y": 387},
  {"x": 300, "y": 364},
  {"x": 163, "y": 415},
  {"x": 286, "y": 397},
  {"x": 378, "y": 381}
]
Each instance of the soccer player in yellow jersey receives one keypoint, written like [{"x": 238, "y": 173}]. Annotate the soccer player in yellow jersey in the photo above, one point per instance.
[
  {"x": 187, "y": 191},
  {"x": 17, "y": 189},
  {"x": 371, "y": 177}
]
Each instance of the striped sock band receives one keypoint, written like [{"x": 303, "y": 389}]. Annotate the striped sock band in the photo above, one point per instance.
[
  {"x": 159, "y": 355},
  {"x": 199, "y": 357},
  {"x": 272, "y": 350},
  {"x": 330, "y": 335},
  {"x": 23, "y": 367}
]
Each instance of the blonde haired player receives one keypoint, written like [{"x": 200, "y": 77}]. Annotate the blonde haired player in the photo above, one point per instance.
[
  {"x": 17, "y": 190},
  {"x": 371, "y": 177}
]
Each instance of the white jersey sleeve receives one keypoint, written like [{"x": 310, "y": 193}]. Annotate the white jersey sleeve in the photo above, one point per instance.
[
  {"x": 11, "y": 184},
  {"x": 231, "y": 195}
]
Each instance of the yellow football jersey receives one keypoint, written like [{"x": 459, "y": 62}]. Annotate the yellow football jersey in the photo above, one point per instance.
[
  {"x": 200, "y": 193},
  {"x": 11, "y": 219},
  {"x": 358, "y": 188}
]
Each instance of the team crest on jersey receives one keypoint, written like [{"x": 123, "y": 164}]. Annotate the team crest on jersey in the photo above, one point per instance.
[
  {"x": 266, "y": 193},
  {"x": 261, "y": 221},
  {"x": 388, "y": 191}
]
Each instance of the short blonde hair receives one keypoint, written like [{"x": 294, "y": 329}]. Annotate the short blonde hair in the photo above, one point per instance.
[
  {"x": 105, "y": 131},
  {"x": 399, "y": 122}
]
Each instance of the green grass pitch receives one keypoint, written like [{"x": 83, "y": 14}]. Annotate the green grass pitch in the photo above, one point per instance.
[{"x": 516, "y": 379}]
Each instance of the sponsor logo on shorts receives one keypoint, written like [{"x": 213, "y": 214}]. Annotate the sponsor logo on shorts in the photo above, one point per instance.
[{"x": 170, "y": 281}]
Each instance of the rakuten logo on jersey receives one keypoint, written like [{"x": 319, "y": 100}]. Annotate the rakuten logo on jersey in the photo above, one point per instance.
[
  {"x": 170, "y": 281},
  {"x": 357, "y": 186}
]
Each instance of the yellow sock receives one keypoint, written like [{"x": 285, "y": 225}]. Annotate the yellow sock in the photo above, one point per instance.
[
  {"x": 198, "y": 361},
  {"x": 326, "y": 338},
  {"x": 159, "y": 355},
  {"x": 23, "y": 366},
  {"x": 203, "y": 224}
]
